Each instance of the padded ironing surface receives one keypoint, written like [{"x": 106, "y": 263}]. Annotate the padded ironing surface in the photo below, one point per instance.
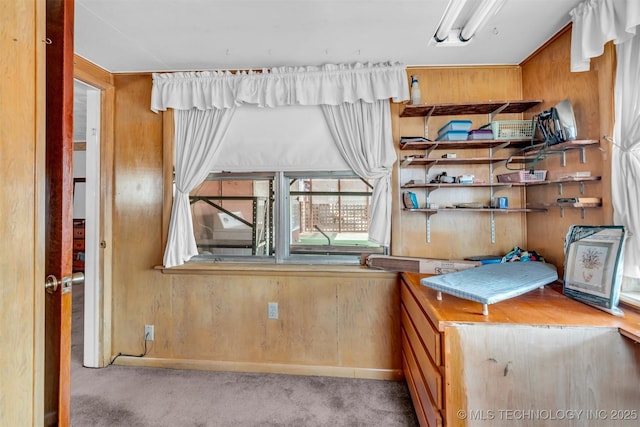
[{"x": 491, "y": 283}]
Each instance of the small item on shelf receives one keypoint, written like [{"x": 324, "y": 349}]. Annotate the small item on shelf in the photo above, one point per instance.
[
  {"x": 443, "y": 178},
  {"x": 499, "y": 203},
  {"x": 410, "y": 200},
  {"x": 465, "y": 179},
  {"x": 405, "y": 139},
  {"x": 455, "y": 125},
  {"x": 523, "y": 176},
  {"x": 480, "y": 134},
  {"x": 416, "y": 96},
  {"x": 577, "y": 175},
  {"x": 449, "y": 156},
  {"x": 485, "y": 259},
  {"x": 470, "y": 205},
  {"x": 513, "y": 129},
  {"x": 453, "y": 135},
  {"x": 579, "y": 200}
]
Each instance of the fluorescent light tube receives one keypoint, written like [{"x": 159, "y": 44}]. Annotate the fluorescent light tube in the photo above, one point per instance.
[
  {"x": 448, "y": 18},
  {"x": 486, "y": 9}
]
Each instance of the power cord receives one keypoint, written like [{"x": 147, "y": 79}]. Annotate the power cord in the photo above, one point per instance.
[
  {"x": 144, "y": 353},
  {"x": 541, "y": 150}
]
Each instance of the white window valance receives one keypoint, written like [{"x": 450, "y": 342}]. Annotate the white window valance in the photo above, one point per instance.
[
  {"x": 330, "y": 84},
  {"x": 596, "y": 22}
]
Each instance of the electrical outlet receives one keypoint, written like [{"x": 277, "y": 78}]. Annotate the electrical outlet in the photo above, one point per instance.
[
  {"x": 148, "y": 333},
  {"x": 273, "y": 310}
]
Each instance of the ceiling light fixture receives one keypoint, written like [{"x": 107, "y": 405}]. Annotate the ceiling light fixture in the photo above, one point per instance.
[
  {"x": 448, "y": 18},
  {"x": 447, "y": 35},
  {"x": 487, "y": 9}
]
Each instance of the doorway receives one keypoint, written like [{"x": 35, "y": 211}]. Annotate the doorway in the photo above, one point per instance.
[{"x": 86, "y": 211}]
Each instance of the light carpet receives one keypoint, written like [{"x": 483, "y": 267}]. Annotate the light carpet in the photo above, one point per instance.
[{"x": 139, "y": 397}]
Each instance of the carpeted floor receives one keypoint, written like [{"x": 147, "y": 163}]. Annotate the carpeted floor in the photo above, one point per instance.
[{"x": 139, "y": 397}]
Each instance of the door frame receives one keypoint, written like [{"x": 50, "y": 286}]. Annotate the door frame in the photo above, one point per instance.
[{"x": 101, "y": 299}]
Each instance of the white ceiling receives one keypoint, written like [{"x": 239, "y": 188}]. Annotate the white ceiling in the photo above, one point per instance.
[{"x": 174, "y": 35}]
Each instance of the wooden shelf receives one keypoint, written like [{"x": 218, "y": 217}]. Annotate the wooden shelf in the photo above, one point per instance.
[
  {"x": 565, "y": 181},
  {"x": 463, "y": 145},
  {"x": 509, "y": 210},
  {"x": 435, "y": 185},
  {"x": 456, "y": 185},
  {"x": 561, "y": 148},
  {"x": 489, "y": 107},
  {"x": 430, "y": 161},
  {"x": 565, "y": 205}
]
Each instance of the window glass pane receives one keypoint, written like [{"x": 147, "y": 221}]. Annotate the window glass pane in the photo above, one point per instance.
[
  {"x": 233, "y": 216},
  {"x": 330, "y": 216}
]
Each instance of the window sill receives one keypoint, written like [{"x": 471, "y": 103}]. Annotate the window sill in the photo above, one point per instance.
[{"x": 253, "y": 269}]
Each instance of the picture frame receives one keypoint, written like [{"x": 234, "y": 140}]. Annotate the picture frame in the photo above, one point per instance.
[{"x": 593, "y": 265}]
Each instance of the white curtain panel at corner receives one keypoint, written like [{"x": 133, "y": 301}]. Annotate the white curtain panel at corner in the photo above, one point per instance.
[
  {"x": 596, "y": 22},
  {"x": 361, "y": 131},
  {"x": 198, "y": 137},
  {"x": 359, "y": 98},
  {"x": 625, "y": 158}
]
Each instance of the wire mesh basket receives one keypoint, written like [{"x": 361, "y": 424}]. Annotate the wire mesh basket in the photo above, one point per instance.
[
  {"x": 523, "y": 176},
  {"x": 513, "y": 129}
]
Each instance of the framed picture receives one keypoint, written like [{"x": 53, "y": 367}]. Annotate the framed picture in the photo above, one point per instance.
[{"x": 593, "y": 265}]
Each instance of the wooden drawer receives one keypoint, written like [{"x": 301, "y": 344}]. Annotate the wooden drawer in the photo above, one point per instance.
[
  {"x": 427, "y": 332},
  {"x": 428, "y": 413},
  {"x": 78, "y": 232},
  {"x": 78, "y": 245},
  {"x": 413, "y": 391},
  {"x": 78, "y": 265},
  {"x": 429, "y": 371}
]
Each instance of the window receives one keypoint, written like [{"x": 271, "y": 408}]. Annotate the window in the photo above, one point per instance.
[{"x": 282, "y": 217}]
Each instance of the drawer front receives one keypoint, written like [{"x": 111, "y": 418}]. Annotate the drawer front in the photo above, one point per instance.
[
  {"x": 413, "y": 391},
  {"x": 78, "y": 245},
  {"x": 429, "y": 371},
  {"x": 78, "y": 233},
  {"x": 427, "y": 332},
  {"x": 422, "y": 400}
]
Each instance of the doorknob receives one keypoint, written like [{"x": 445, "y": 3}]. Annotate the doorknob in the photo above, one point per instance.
[{"x": 52, "y": 283}]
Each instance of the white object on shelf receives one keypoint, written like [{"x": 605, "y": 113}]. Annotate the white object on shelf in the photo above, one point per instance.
[{"x": 416, "y": 96}]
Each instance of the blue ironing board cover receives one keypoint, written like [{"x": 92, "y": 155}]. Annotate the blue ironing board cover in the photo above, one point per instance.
[{"x": 491, "y": 283}]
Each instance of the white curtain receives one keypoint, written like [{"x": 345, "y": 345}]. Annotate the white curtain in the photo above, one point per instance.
[
  {"x": 330, "y": 84},
  {"x": 198, "y": 135},
  {"x": 625, "y": 159},
  {"x": 362, "y": 132},
  {"x": 209, "y": 100},
  {"x": 595, "y": 23}
]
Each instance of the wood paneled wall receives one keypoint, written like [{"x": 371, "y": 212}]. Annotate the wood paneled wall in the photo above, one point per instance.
[
  {"x": 340, "y": 324},
  {"x": 455, "y": 235},
  {"x": 335, "y": 323},
  {"x": 546, "y": 75},
  {"x": 331, "y": 323}
]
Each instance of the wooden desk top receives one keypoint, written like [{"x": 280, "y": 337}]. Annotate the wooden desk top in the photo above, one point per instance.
[{"x": 544, "y": 307}]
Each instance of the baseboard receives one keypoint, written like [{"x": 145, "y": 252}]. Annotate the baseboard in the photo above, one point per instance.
[{"x": 265, "y": 368}]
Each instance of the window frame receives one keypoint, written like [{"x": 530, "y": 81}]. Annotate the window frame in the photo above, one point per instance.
[{"x": 281, "y": 200}]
